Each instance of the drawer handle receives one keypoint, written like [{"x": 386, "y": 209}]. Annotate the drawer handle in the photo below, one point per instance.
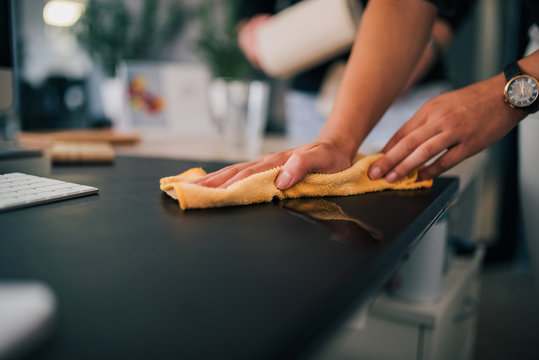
[{"x": 471, "y": 309}]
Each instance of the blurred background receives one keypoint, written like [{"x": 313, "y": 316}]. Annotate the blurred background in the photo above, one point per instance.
[
  {"x": 79, "y": 62},
  {"x": 71, "y": 55}
]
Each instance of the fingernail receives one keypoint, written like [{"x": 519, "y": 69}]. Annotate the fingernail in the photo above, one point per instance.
[
  {"x": 375, "y": 172},
  {"x": 283, "y": 180},
  {"x": 391, "y": 177}
]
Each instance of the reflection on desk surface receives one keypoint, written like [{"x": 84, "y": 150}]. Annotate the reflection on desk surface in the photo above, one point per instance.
[{"x": 342, "y": 228}]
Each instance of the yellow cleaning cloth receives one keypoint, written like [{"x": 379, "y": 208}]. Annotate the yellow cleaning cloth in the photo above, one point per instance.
[{"x": 260, "y": 187}]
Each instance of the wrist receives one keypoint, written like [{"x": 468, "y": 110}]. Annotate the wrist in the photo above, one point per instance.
[
  {"x": 521, "y": 89},
  {"x": 496, "y": 86},
  {"x": 345, "y": 145}
]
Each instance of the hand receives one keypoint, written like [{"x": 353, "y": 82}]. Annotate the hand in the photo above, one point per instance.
[
  {"x": 460, "y": 123},
  {"x": 316, "y": 157},
  {"x": 247, "y": 37}
]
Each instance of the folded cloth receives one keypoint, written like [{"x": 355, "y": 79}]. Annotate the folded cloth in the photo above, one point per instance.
[{"x": 260, "y": 187}]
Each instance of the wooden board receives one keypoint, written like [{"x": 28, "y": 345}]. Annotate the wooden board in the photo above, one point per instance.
[{"x": 45, "y": 139}]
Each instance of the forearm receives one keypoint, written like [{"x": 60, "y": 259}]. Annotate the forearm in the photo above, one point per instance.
[
  {"x": 439, "y": 42},
  {"x": 391, "y": 38}
]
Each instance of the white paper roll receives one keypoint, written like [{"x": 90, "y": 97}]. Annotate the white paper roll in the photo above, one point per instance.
[{"x": 307, "y": 34}]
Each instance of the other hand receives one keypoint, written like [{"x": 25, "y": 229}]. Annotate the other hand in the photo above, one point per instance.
[
  {"x": 247, "y": 37},
  {"x": 457, "y": 125}
]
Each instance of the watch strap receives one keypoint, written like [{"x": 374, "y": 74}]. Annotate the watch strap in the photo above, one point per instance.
[
  {"x": 511, "y": 70},
  {"x": 533, "y": 107}
]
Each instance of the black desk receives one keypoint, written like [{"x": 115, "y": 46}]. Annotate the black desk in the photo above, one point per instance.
[{"x": 137, "y": 278}]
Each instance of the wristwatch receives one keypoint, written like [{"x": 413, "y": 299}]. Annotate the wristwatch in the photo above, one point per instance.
[{"x": 521, "y": 90}]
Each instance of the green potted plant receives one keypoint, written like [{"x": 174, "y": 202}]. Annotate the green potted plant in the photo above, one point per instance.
[
  {"x": 218, "y": 40},
  {"x": 110, "y": 32},
  {"x": 238, "y": 99}
]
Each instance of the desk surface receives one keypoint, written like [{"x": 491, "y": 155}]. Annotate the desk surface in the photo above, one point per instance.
[{"x": 137, "y": 278}]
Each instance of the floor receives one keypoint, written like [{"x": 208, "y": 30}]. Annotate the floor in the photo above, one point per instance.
[{"x": 508, "y": 326}]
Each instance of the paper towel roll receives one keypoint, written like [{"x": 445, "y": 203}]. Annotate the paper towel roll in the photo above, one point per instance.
[{"x": 307, "y": 34}]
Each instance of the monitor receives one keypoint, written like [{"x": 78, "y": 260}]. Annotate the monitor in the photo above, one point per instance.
[
  {"x": 8, "y": 149},
  {"x": 7, "y": 85}
]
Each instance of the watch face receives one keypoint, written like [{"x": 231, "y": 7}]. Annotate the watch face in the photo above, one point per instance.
[{"x": 521, "y": 91}]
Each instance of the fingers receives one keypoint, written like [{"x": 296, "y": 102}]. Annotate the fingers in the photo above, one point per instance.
[
  {"x": 406, "y": 154},
  {"x": 425, "y": 152},
  {"x": 218, "y": 178},
  {"x": 247, "y": 39},
  {"x": 256, "y": 167},
  {"x": 230, "y": 174},
  {"x": 293, "y": 171},
  {"x": 416, "y": 121},
  {"x": 445, "y": 162},
  {"x": 261, "y": 18}
]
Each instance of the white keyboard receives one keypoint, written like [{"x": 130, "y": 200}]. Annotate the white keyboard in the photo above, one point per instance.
[{"x": 21, "y": 190}]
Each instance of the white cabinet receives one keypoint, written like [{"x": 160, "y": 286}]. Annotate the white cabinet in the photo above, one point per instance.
[{"x": 395, "y": 329}]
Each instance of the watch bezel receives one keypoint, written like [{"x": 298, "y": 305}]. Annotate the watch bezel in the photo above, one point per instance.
[{"x": 508, "y": 100}]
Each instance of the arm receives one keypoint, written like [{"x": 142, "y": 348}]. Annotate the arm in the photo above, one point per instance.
[
  {"x": 460, "y": 123},
  {"x": 390, "y": 40},
  {"x": 440, "y": 39}
]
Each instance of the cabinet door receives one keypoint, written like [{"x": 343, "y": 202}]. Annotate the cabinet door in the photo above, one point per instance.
[
  {"x": 380, "y": 339},
  {"x": 455, "y": 332}
]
